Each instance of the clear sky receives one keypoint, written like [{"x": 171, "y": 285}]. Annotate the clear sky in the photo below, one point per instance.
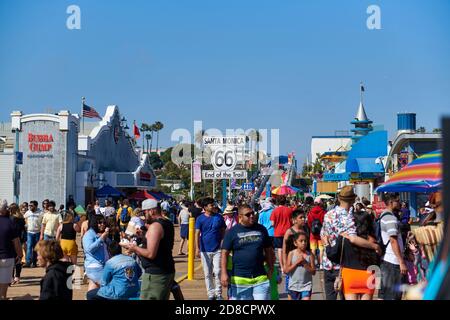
[{"x": 290, "y": 64}]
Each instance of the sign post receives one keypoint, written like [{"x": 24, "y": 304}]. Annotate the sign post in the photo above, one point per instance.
[
  {"x": 224, "y": 160},
  {"x": 224, "y": 193},
  {"x": 191, "y": 249}
]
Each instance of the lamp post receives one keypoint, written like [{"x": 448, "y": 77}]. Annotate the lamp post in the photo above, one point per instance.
[{"x": 16, "y": 176}]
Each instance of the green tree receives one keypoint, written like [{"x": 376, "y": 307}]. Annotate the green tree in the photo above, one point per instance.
[
  {"x": 437, "y": 130},
  {"x": 151, "y": 129},
  {"x": 144, "y": 128},
  {"x": 318, "y": 167},
  {"x": 199, "y": 137},
  {"x": 157, "y": 126},
  {"x": 148, "y": 137},
  {"x": 155, "y": 161},
  {"x": 166, "y": 156},
  {"x": 306, "y": 170}
]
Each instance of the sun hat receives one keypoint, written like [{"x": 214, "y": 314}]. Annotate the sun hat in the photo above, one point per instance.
[
  {"x": 229, "y": 209},
  {"x": 347, "y": 194},
  {"x": 149, "y": 204},
  {"x": 318, "y": 200}
]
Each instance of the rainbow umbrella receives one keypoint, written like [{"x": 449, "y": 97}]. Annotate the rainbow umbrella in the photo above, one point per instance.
[
  {"x": 424, "y": 174},
  {"x": 284, "y": 190}
]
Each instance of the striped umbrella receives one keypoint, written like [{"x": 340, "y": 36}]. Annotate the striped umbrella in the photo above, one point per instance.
[
  {"x": 424, "y": 174},
  {"x": 284, "y": 190}
]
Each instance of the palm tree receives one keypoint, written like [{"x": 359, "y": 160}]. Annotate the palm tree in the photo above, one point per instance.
[
  {"x": 204, "y": 152},
  {"x": 144, "y": 128},
  {"x": 158, "y": 126},
  {"x": 199, "y": 137},
  {"x": 151, "y": 129},
  {"x": 148, "y": 137}
]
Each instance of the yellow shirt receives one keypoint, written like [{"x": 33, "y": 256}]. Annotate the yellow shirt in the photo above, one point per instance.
[
  {"x": 51, "y": 221},
  {"x": 119, "y": 212}
]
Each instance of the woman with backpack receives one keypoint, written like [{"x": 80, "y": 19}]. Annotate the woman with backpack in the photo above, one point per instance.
[{"x": 315, "y": 222}]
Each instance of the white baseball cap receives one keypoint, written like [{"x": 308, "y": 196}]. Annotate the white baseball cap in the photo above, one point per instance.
[{"x": 149, "y": 204}]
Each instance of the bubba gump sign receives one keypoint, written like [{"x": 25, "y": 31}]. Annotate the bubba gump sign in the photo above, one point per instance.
[{"x": 40, "y": 142}]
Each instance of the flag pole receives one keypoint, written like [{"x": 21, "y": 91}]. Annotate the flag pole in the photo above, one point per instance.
[
  {"x": 361, "y": 91},
  {"x": 83, "y": 99}
]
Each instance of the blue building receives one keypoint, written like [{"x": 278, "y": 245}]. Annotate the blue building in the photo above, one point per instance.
[{"x": 363, "y": 164}]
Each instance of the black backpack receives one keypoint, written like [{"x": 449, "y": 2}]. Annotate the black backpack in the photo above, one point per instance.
[
  {"x": 316, "y": 226},
  {"x": 378, "y": 232}
]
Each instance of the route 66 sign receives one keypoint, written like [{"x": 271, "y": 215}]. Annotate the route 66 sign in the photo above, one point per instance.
[{"x": 224, "y": 159}]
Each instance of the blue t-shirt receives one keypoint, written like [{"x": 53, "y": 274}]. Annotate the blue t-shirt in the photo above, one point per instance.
[
  {"x": 247, "y": 245},
  {"x": 211, "y": 231},
  {"x": 264, "y": 219}
]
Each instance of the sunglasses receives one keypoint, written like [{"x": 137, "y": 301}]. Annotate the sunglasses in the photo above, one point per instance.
[{"x": 249, "y": 214}]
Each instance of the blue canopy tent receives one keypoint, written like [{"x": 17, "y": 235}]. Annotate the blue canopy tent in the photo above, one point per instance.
[
  {"x": 108, "y": 191},
  {"x": 158, "y": 195}
]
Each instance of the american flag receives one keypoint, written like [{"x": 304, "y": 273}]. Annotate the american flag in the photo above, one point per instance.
[{"x": 89, "y": 112}]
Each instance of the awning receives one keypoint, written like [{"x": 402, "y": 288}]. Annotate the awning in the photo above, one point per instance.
[
  {"x": 108, "y": 191},
  {"x": 158, "y": 195},
  {"x": 141, "y": 195},
  {"x": 364, "y": 165}
]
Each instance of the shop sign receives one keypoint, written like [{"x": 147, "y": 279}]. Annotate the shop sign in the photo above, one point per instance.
[
  {"x": 144, "y": 176},
  {"x": 40, "y": 142}
]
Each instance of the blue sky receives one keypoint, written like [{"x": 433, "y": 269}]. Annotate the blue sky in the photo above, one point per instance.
[{"x": 293, "y": 65}]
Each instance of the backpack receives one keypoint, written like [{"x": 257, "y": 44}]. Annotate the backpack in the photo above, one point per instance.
[
  {"x": 378, "y": 232},
  {"x": 316, "y": 226},
  {"x": 124, "y": 217}
]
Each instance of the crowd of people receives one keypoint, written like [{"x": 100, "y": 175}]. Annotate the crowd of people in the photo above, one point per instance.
[{"x": 247, "y": 251}]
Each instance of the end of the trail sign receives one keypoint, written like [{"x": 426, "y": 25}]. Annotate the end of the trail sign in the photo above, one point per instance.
[{"x": 235, "y": 174}]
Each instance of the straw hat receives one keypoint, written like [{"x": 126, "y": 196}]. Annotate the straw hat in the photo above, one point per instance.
[
  {"x": 229, "y": 210},
  {"x": 347, "y": 194}
]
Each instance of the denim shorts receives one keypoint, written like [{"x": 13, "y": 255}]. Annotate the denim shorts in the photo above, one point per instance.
[
  {"x": 260, "y": 291},
  {"x": 295, "y": 295},
  {"x": 94, "y": 274}
]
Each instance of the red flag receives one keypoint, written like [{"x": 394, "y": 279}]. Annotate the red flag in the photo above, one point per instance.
[{"x": 137, "y": 134}]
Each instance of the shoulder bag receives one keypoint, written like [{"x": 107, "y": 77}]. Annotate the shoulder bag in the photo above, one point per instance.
[{"x": 338, "y": 281}]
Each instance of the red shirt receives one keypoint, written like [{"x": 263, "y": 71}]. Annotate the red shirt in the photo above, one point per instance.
[
  {"x": 316, "y": 213},
  {"x": 282, "y": 220}
]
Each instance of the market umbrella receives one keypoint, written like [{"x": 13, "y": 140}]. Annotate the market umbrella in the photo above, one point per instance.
[
  {"x": 141, "y": 195},
  {"x": 424, "y": 174},
  {"x": 325, "y": 197},
  {"x": 80, "y": 210},
  {"x": 108, "y": 191},
  {"x": 284, "y": 190}
]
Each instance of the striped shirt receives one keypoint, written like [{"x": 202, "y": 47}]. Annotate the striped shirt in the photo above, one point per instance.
[{"x": 390, "y": 227}]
